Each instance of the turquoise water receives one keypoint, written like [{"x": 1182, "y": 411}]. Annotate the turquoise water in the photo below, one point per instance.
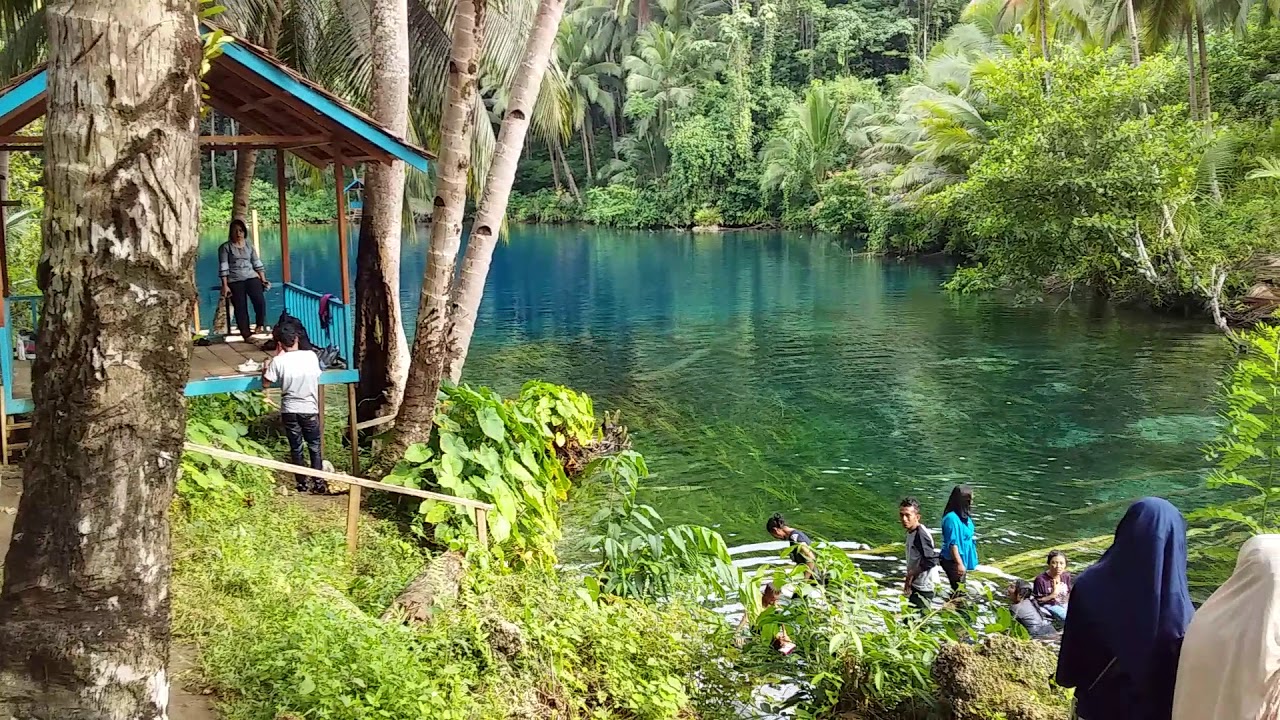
[{"x": 764, "y": 372}]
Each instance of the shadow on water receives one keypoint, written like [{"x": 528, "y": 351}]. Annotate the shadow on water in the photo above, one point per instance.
[{"x": 765, "y": 372}]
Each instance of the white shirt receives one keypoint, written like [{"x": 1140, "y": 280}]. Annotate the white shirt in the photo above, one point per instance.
[{"x": 298, "y": 372}]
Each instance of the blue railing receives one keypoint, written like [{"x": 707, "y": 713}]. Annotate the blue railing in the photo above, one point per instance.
[
  {"x": 304, "y": 304},
  {"x": 28, "y": 314}
]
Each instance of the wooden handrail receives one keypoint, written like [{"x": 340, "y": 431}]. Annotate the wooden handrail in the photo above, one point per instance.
[
  {"x": 337, "y": 477},
  {"x": 384, "y": 420}
]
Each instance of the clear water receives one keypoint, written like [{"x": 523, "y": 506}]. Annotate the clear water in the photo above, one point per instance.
[{"x": 764, "y": 372}]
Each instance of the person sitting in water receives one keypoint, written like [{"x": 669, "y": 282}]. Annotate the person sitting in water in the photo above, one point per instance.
[
  {"x": 801, "y": 553},
  {"x": 1026, "y": 612},
  {"x": 1053, "y": 586},
  {"x": 768, "y": 598}
]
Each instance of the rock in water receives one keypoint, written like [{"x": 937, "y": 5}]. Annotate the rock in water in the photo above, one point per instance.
[
  {"x": 1000, "y": 678},
  {"x": 438, "y": 583}
]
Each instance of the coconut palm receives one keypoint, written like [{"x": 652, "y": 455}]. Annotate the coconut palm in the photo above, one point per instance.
[
  {"x": 811, "y": 144},
  {"x": 586, "y": 77},
  {"x": 665, "y": 73}
]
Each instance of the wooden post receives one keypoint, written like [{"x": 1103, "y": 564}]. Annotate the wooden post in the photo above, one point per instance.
[
  {"x": 257, "y": 247},
  {"x": 338, "y": 171},
  {"x": 353, "y": 491},
  {"x": 283, "y": 203},
  {"x": 482, "y": 527},
  {"x": 320, "y": 415},
  {"x": 4, "y": 251}
]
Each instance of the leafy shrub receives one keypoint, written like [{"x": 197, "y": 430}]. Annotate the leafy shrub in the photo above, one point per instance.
[
  {"x": 1247, "y": 452},
  {"x": 613, "y": 205},
  {"x": 708, "y": 217},
  {"x": 504, "y": 453},
  {"x": 205, "y": 481},
  {"x": 641, "y": 559},
  {"x": 544, "y": 206},
  {"x": 902, "y": 229},
  {"x": 844, "y": 208}
]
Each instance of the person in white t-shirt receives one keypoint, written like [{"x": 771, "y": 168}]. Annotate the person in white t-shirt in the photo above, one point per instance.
[{"x": 298, "y": 374}]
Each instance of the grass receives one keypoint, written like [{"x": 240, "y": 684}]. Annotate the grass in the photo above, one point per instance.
[{"x": 287, "y": 626}]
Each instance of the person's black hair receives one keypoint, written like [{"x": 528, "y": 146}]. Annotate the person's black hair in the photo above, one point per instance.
[
  {"x": 231, "y": 229},
  {"x": 775, "y": 522},
  {"x": 960, "y": 502},
  {"x": 1022, "y": 589},
  {"x": 287, "y": 336},
  {"x": 909, "y": 502},
  {"x": 1053, "y": 554}
]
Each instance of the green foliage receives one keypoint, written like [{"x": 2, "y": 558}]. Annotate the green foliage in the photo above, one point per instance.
[
  {"x": 1247, "y": 453},
  {"x": 305, "y": 206},
  {"x": 1241, "y": 70},
  {"x": 707, "y": 217},
  {"x": 1072, "y": 182},
  {"x": 543, "y": 206},
  {"x": 845, "y": 207},
  {"x": 503, "y": 453},
  {"x": 206, "y": 482},
  {"x": 639, "y": 557},
  {"x": 286, "y": 625}
]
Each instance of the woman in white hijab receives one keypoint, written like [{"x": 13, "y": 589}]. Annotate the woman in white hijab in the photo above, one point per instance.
[{"x": 1230, "y": 666}]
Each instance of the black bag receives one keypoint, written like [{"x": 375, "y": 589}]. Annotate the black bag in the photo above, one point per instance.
[{"x": 287, "y": 320}]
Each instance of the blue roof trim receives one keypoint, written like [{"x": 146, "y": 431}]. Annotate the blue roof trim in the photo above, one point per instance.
[
  {"x": 24, "y": 93},
  {"x": 323, "y": 105}
]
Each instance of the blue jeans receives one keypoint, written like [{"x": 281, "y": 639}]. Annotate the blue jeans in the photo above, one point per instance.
[{"x": 1059, "y": 612}]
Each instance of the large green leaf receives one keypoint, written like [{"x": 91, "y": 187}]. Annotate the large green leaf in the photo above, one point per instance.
[{"x": 491, "y": 424}]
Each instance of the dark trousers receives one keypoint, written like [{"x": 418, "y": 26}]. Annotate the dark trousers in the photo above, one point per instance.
[
  {"x": 921, "y": 600},
  {"x": 952, "y": 569},
  {"x": 242, "y": 292},
  {"x": 304, "y": 429}
]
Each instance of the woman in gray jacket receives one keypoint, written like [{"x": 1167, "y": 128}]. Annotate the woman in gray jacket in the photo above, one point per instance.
[{"x": 240, "y": 269}]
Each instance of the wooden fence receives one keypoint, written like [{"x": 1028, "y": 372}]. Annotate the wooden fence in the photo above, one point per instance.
[{"x": 479, "y": 510}]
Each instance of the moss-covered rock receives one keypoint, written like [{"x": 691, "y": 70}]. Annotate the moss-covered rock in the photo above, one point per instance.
[{"x": 1001, "y": 678}]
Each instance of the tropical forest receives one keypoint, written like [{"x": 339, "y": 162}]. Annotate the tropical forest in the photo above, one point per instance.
[{"x": 639, "y": 359}]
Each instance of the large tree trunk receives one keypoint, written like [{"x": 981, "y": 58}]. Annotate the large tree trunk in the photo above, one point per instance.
[
  {"x": 1193, "y": 84},
  {"x": 1042, "y": 10},
  {"x": 1131, "y": 19},
  {"x": 431, "y": 339},
  {"x": 382, "y": 351},
  {"x": 497, "y": 188},
  {"x": 587, "y": 135},
  {"x": 84, "y": 612}
]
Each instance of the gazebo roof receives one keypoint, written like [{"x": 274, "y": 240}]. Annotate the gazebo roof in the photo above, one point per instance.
[
  {"x": 354, "y": 185},
  {"x": 275, "y": 106}
]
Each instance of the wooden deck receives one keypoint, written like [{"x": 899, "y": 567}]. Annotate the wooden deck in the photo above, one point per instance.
[{"x": 213, "y": 361}]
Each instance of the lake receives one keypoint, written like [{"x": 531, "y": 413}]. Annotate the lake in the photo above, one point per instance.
[{"x": 764, "y": 372}]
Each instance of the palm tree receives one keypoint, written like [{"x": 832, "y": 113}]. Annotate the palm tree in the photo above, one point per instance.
[
  {"x": 577, "y": 60},
  {"x": 798, "y": 159},
  {"x": 665, "y": 72},
  {"x": 497, "y": 188},
  {"x": 92, "y": 529},
  {"x": 430, "y": 352}
]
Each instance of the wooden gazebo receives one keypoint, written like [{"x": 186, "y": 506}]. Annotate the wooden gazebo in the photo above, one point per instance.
[{"x": 277, "y": 109}]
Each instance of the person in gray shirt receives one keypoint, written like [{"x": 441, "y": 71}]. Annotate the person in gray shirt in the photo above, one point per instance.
[
  {"x": 240, "y": 269},
  {"x": 922, "y": 556},
  {"x": 1026, "y": 611}
]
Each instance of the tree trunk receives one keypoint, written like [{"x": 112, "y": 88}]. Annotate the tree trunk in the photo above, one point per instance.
[
  {"x": 555, "y": 168},
  {"x": 84, "y": 611},
  {"x": 430, "y": 342},
  {"x": 586, "y": 148},
  {"x": 247, "y": 158},
  {"x": 382, "y": 351},
  {"x": 568, "y": 172},
  {"x": 613, "y": 133},
  {"x": 1193, "y": 85},
  {"x": 1135, "y": 56},
  {"x": 1206, "y": 107},
  {"x": 1042, "y": 10},
  {"x": 497, "y": 188}
]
